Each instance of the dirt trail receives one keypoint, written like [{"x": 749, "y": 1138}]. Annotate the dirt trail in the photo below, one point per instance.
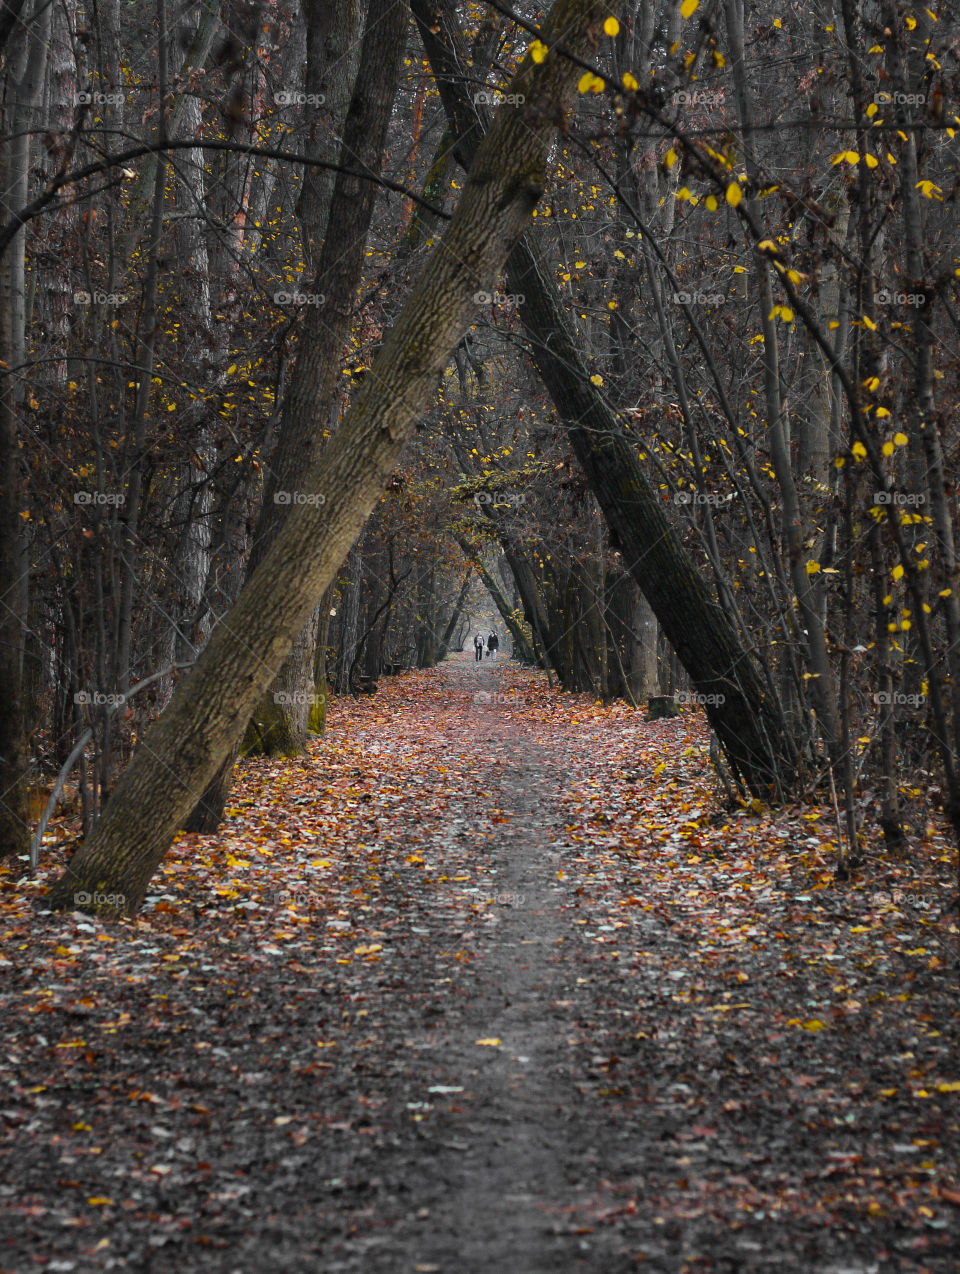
[
  {"x": 668, "y": 1044},
  {"x": 509, "y": 1193}
]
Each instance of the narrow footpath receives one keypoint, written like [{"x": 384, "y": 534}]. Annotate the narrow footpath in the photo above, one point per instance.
[{"x": 488, "y": 983}]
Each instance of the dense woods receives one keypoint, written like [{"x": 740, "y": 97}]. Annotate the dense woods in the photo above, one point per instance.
[
  {"x": 680, "y": 420},
  {"x": 479, "y": 636}
]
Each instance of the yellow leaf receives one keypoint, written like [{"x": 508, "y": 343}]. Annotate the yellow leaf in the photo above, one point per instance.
[
  {"x": 493, "y": 1042},
  {"x": 596, "y": 379},
  {"x": 689, "y": 8},
  {"x": 734, "y": 194},
  {"x": 952, "y": 1087},
  {"x": 630, "y": 81},
  {"x": 711, "y": 202},
  {"x": 897, "y": 572},
  {"x": 590, "y": 83},
  {"x": 538, "y": 51},
  {"x": 99, "y": 1201},
  {"x": 858, "y": 450},
  {"x": 612, "y": 27},
  {"x": 813, "y": 567},
  {"x": 814, "y": 1024},
  {"x": 900, "y": 439}
]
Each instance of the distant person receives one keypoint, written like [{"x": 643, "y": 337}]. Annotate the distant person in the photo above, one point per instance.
[
  {"x": 493, "y": 645},
  {"x": 478, "y": 646}
]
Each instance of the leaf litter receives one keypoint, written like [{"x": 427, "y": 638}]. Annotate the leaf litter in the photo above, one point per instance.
[{"x": 745, "y": 1064}]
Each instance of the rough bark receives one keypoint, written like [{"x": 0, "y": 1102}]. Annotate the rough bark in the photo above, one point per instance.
[
  {"x": 282, "y": 719},
  {"x": 206, "y": 717}
]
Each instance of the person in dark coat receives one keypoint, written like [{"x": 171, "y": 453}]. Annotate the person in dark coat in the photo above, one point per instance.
[
  {"x": 478, "y": 646},
  {"x": 493, "y": 645}
]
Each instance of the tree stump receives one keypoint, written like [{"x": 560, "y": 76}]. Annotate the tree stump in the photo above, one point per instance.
[{"x": 659, "y": 706}]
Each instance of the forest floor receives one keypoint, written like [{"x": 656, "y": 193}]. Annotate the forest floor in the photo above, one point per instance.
[{"x": 490, "y": 981}]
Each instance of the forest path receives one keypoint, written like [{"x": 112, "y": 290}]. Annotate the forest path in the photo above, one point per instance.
[
  {"x": 512, "y": 1190},
  {"x": 487, "y": 983}
]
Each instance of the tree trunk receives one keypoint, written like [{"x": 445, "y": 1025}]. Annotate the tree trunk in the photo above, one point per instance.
[
  {"x": 346, "y": 211},
  {"x": 521, "y": 646},
  {"x": 206, "y": 718},
  {"x": 23, "y": 79},
  {"x": 454, "y": 616}
]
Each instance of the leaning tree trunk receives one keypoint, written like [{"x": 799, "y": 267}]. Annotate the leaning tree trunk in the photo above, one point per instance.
[
  {"x": 748, "y": 724},
  {"x": 522, "y": 648},
  {"x": 334, "y": 213},
  {"x": 280, "y": 721},
  {"x": 454, "y": 616},
  {"x": 209, "y": 711}
]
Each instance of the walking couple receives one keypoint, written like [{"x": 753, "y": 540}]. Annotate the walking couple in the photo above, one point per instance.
[{"x": 492, "y": 644}]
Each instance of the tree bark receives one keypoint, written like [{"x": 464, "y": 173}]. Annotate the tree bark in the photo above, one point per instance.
[
  {"x": 282, "y": 720},
  {"x": 206, "y": 717}
]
